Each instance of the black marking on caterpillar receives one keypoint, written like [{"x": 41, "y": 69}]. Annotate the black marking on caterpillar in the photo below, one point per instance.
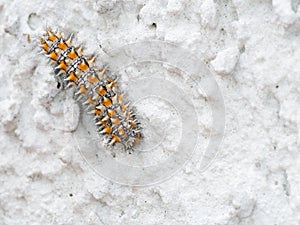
[{"x": 115, "y": 121}]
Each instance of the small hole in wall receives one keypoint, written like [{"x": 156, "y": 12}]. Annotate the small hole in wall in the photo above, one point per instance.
[
  {"x": 71, "y": 195},
  {"x": 242, "y": 49},
  {"x": 277, "y": 86},
  {"x": 153, "y": 25}
]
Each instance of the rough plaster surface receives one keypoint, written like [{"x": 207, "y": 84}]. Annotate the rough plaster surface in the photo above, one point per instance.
[{"x": 253, "y": 49}]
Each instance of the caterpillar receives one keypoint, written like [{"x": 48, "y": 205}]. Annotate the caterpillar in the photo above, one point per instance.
[{"x": 116, "y": 121}]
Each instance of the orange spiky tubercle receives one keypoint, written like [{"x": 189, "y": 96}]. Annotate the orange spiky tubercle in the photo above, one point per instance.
[{"x": 116, "y": 122}]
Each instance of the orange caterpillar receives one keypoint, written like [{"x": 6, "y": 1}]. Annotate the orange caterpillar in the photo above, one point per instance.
[{"x": 115, "y": 121}]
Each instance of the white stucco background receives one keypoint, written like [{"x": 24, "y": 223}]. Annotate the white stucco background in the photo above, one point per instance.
[{"x": 252, "y": 48}]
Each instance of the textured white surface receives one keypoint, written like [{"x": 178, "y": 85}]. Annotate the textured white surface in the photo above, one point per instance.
[
  {"x": 255, "y": 177},
  {"x": 226, "y": 60}
]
